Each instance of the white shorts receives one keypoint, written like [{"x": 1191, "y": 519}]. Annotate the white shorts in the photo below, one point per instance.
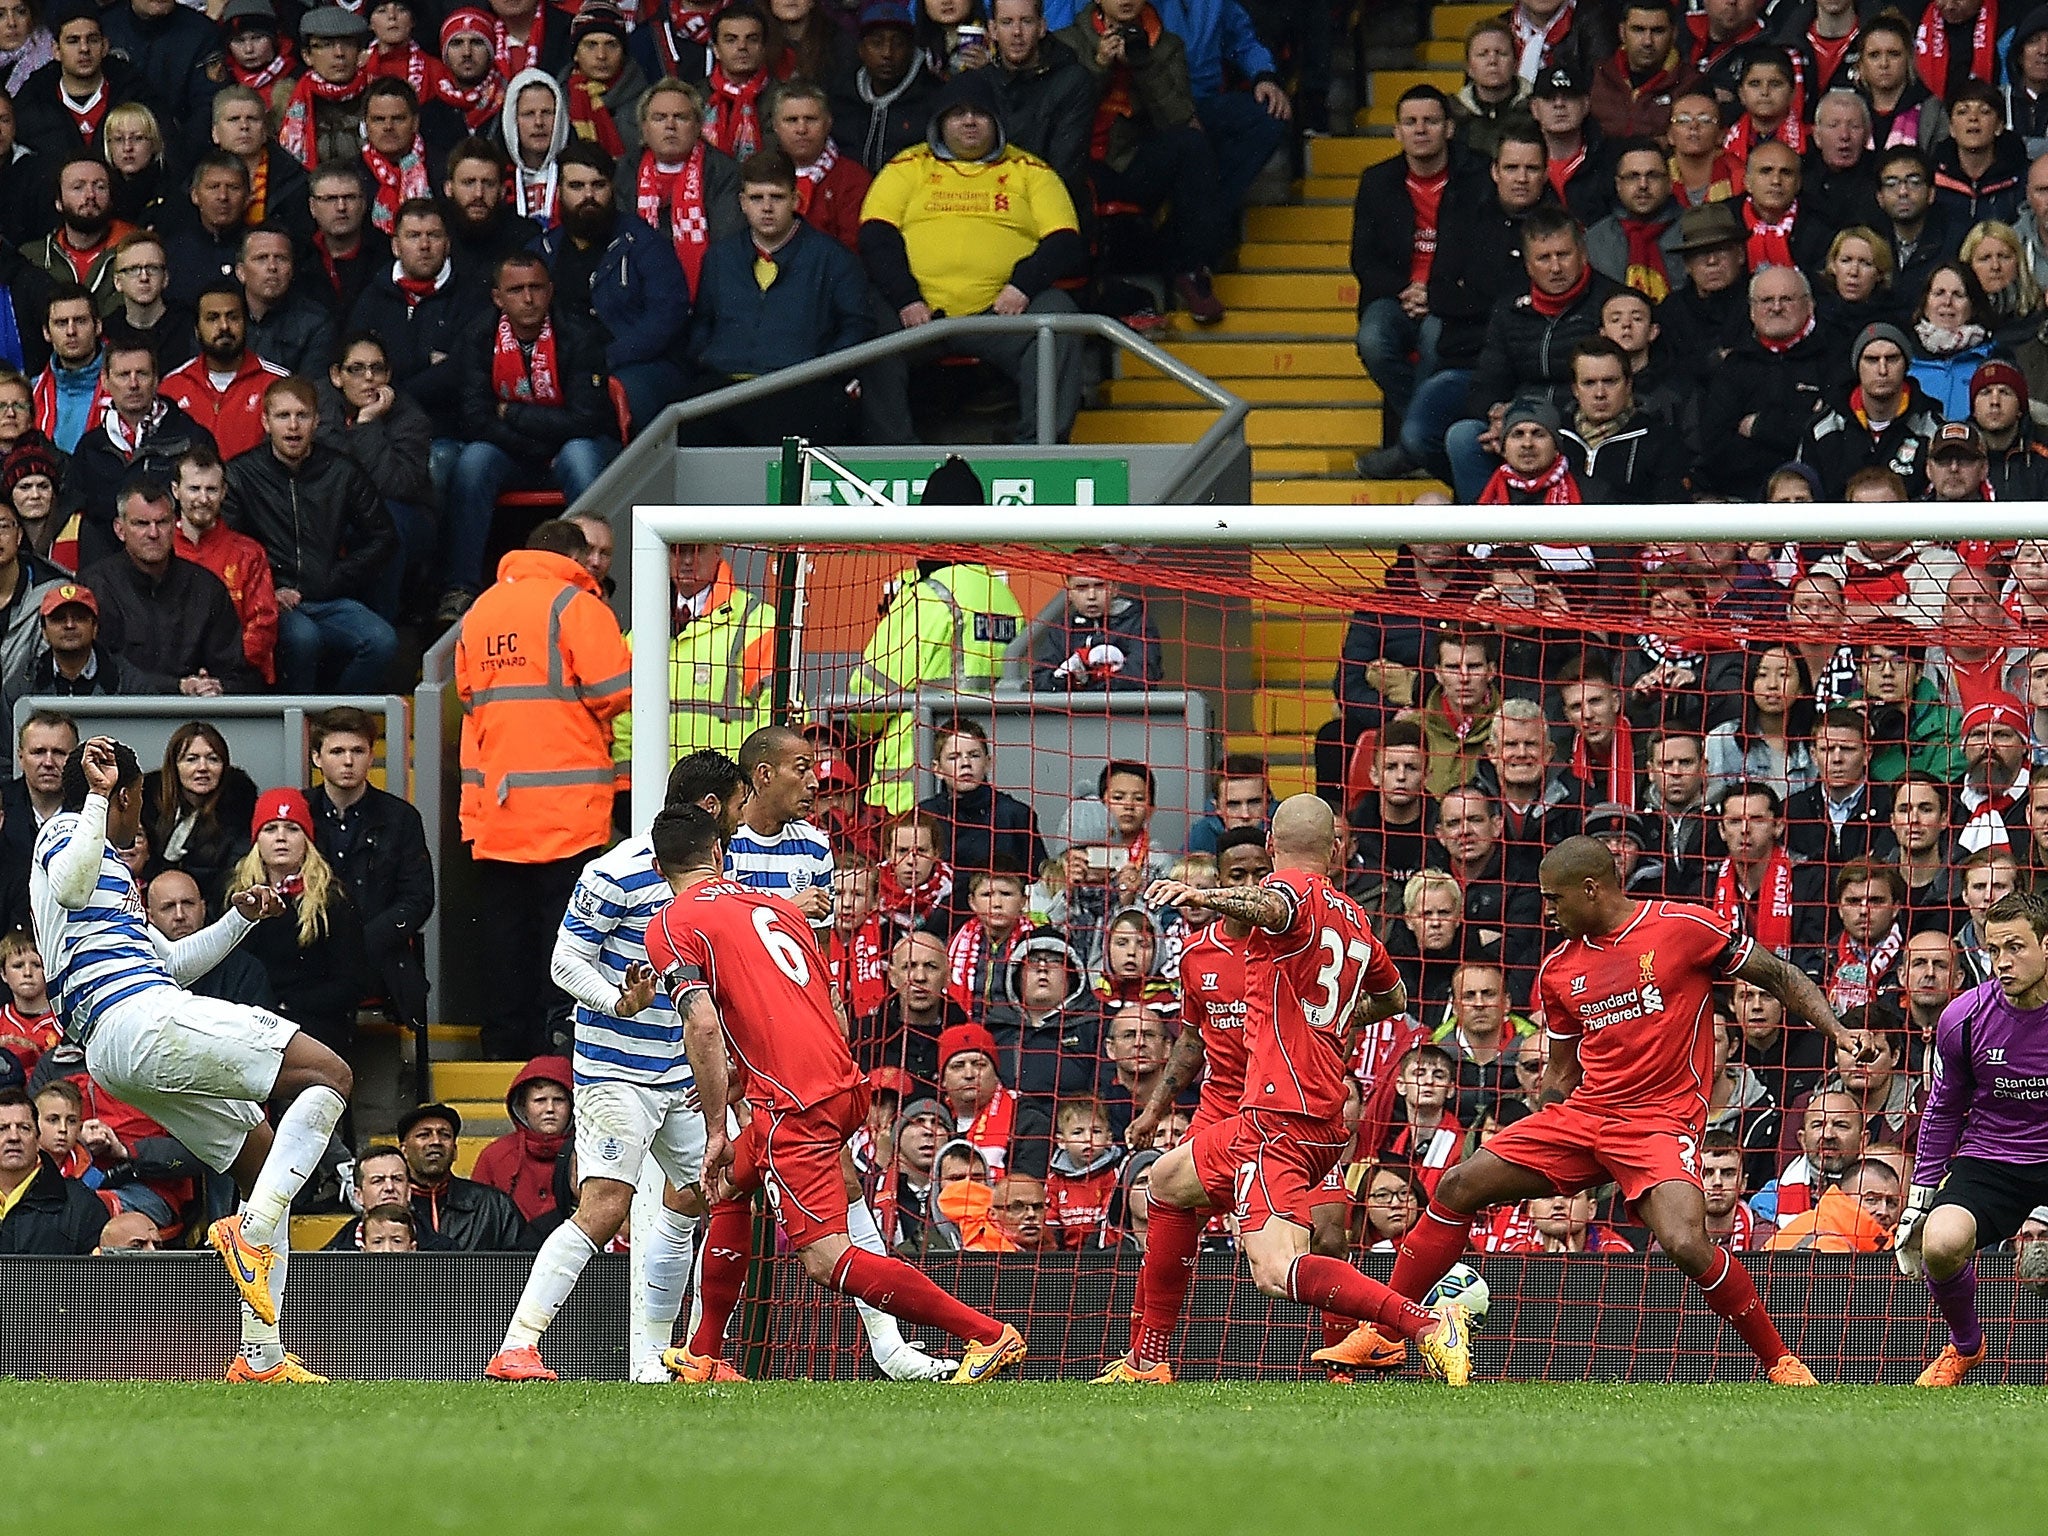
[
  {"x": 619, "y": 1124},
  {"x": 199, "y": 1067}
]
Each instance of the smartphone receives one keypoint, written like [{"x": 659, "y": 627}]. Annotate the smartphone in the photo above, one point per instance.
[{"x": 1109, "y": 859}]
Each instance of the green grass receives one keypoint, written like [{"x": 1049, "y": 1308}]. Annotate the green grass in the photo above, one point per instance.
[{"x": 1051, "y": 1460}]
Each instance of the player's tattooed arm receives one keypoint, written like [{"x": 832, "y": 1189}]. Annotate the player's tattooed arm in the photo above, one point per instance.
[
  {"x": 1802, "y": 999},
  {"x": 704, "y": 1044},
  {"x": 1183, "y": 1066},
  {"x": 1259, "y": 905}
]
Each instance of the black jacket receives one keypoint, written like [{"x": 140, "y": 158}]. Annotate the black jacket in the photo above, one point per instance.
[
  {"x": 1837, "y": 444},
  {"x": 1941, "y": 238},
  {"x": 533, "y": 433},
  {"x": 1383, "y": 221},
  {"x": 54, "y": 1215},
  {"x": 1530, "y": 353},
  {"x": 1840, "y": 198},
  {"x": 1048, "y": 109},
  {"x": 471, "y": 1216},
  {"x": 350, "y": 1239},
  {"x": 296, "y": 334},
  {"x": 395, "y": 450},
  {"x": 1646, "y": 461},
  {"x": 975, "y": 827},
  {"x": 212, "y": 846},
  {"x": 1478, "y": 261},
  {"x": 413, "y": 333},
  {"x": 97, "y": 469},
  {"x": 172, "y": 52},
  {"x": 110, "y": 676},
  {"x": 28, "y": 198},
  {"x": 42, "y": 123},
  {"x": 1866, "y": 833},
  {"x": 326, "y": 530},
  {"x": 197, "y": 257},
  {"x": 874, "y": 135},
  {"x": 318, "y": 985},
  {"x": 2020, "y": 472},
  {"x": 476, "y": 252},
  {"x": 379, "y": 848},
  {"x": 240, "y": 978},
  {"x": 1783, "y": 390},
  {"x": 172, "y": 626},
  {"x": 1503, "y": 896},
  {"x": 337, "y": 291},
  {"x": 170, "y": 340}
]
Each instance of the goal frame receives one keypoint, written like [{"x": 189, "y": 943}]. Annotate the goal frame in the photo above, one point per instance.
[{"x": 656, "y": 527}]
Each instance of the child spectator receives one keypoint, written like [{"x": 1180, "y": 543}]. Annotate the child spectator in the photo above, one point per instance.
[
  {"x": 540, "y": 1104},
  {"x": 60, "y": 1117},
  {"x": 1130, "y": 970},
  {"x": 978, "y": 956},
  {"x": 1104, "y": 641},
  {"x": 28, "y": 1025},
  {"x": 1081, "y": 1181},
  {"x": 916, "y": 883},
  {"x": 977, "y": 822},
  {"x": 1424, "y": 1131},
  {"x": 1130, "y": 790},
  {"x": 1200, "y": 871},
  {"x": 856, "y": 949},
  {"x": 390, "y": 1228},
  {"x": 1241, "y": 799}
]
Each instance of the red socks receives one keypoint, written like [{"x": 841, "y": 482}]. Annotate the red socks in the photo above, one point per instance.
[
  {"x": 728, "y": 1248},
  {"x": 1732, "y": 1295},
  {"x": 1431, "y": 1247},
  {"x": 1316, "y": 1280},
  {"x": 892, "y": 1286},
  {"x": 1172, "y": 1236}
]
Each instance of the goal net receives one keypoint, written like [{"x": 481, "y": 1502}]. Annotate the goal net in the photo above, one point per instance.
[{"x": 1023, "y": 715}]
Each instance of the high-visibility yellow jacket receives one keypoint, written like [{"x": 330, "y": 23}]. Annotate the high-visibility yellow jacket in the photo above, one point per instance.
[
  {"x": 542, "y": 671},
  {"x": 719, "y": 666},
  {"x": 941, "y": 635}
]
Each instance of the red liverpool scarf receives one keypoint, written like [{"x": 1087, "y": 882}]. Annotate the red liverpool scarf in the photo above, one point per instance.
[
  {"x": 1772, "y": 926},
  {"x": 1551, "y": 305},
  {"x": 732, "y": 115},
  {"x": 415, "y": 66},
  {"x": 810, "y": 177},
  {"x": 1770, "y": 240},
  {"x": 966, "y": 954},
  {"x": 674, "y": 200},
  {"x": 992, "y": 1128},
  {"x": 908, "y": 908},
  {"x": 1534, "y": 44},
  {"x": 398, "y": 181},
  {"x": 514, "y": 377},
  {"x": 860, "y": 968},
  {"x": 1786, "y": 345},
  {"x": 1619, "y": 770},
  {"x": 1554, "y": 487},
  {"x": 676, "y": 29},
  {"x": 296, "y": 136},
  {"x": 513, "y": 55},
  {"x": 1856, "y": 975},
  {"x": 1647, "y": 273},
  {"x": 1930, "y": 47},
  {"x": 1743, "y": 136},
  {"x": 589, "y": 118},
  {"x": 263, "y": 79}
]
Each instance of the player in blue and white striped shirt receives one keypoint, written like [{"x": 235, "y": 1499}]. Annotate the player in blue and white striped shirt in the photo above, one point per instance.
[
  {"x": 636, "y": 1102},
  {"x": 774, "y": 849},
  {"x": 200, "y": 1067}
]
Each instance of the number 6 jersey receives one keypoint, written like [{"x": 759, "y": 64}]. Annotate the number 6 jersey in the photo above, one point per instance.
[
  {"x": 1300, "y": 987},
  {"x": 755, "y": 956}
]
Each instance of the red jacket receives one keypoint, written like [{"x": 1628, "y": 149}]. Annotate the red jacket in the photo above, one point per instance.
[
  {"x": 522, "y": 1161},
  {"x": 244, "y": 569},
  {"x": 233, "y": 415},
  {"x": 835, "y": 202},
  {"x": 1077, "y": 1204}
]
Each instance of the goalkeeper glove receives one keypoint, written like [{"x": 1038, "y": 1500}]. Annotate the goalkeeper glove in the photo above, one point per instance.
[{"x": 1906, "y": 1243}]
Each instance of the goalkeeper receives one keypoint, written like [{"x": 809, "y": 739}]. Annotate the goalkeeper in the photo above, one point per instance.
[{"x": 1983, "y": 1154}]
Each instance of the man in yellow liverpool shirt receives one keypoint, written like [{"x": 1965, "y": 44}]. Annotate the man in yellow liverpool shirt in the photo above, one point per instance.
[{"x": 967, "y": 224}]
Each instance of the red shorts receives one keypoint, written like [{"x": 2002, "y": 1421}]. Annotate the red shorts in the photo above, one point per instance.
[
  {"x": 1214, "y": 1147},
  {"x": 1578, "y": 1148},
  {"x": 794, "y": 1156},
  {"x": 1282, "y": 1161}
]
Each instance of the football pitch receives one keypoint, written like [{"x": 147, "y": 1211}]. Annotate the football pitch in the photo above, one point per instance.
[{"x": 1049, "y": 1459}]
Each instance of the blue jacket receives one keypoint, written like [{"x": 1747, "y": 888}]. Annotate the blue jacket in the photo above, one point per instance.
[
  {"x": 1215, "y": 32},
  {"x": 818, "y": 303},
  {"x": 638, "y": 291},
  {"x": 1947, "y": 379}
]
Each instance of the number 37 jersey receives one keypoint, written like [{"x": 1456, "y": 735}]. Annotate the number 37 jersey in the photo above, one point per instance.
[
  {"x": 1301, "y": 986},
  {"x": 755, "y": 956}
]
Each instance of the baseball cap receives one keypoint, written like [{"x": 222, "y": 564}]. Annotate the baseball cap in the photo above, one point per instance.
[
  {"x": 419, "y": 1112},
  {"x": 886, "y": 13},
  {"x": 1558, "y": 80},
  {"x": 833, "y": 773},
  {"x": 66, "y": 593},
  {"x": 1955, "y": 440}
]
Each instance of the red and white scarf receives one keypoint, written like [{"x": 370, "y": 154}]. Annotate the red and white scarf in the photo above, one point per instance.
[
  {"x": 535, "y": 381},
  {"x": 1554, "y": 487},
  {"x": 1770, "y": 240},
  {"x": 513, "y": 55},
  {"x": 1772, "y": 926},
  {"x": 416, "y": 289},
  {"x": 416, "y": 67},
  {"x": 127, "y": 442},
  {"x": 1930, "y": 47},
  {"x": 684, "y": 35},
  {"x": 810, "y": 177},
  {"x": 1619, "y": 770},
  {"x": 674, "y": 200},
  {"x": 297, "y": 136},
  {"x": 991, "y": 1129},
  {"x": 1742, "y": 136},
  {"x": 1781, "y": 346},
  {"x": 263, "y": 79},
  {"x": 589, "y": 117},
  {"x": 1856, "y": 975},
  {"x": 860, "y": 968},
  {"x": 1748, "y": 1232},
  {"x": 732, "y": 113},
  {"x": 1535, "y": 43},
  {"x": 908, "y": 908},
  {"x": 398, "y": 181},
  {"x": 532, "y": 193},
  {"x": 966, "y": 954}
]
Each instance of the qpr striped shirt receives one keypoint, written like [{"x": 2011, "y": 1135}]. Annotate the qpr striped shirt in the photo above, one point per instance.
[
  {"x": 615, "y": 898},
  {"x": 786, "y": 864},
  {"x": 101, "y": 955}
]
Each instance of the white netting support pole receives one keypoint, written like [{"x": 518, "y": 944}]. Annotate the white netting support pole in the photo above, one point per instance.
[{"x": 655, "y": 528}]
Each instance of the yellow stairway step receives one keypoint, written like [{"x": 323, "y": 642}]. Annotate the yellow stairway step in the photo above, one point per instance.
[
  {"x": 1290, "y": 323},
  {"x": 1299, "y": 389},
  {"x": 1451, "y": 21},
  {"x": 1301, "y": 461},
  {"x": 1297, "y": 573},
  {"x": 1327, "y": 191},
  {"x": 1289, "y": 748},
  {"x": 1289, "y": 290},
  {"x": 1284, "y": 221},
  {"x": 1262, "y": 359},
  {"x": 1348, "y": 156},
  {"x": 1339, "y": 492},
  {"x": 1293, "y": 712},
  {"x": 1286, "y": 779},
  {"x": 1449, "y": 52},
  {"x": 1294, "y": 256},
  {"x": 1388, "y": 84},
  {"x": 467, "y": 1150},
  {"x": 1304, "y": 635},
  {"x": 1278, "y": 426},
  {"x": 485, "y": 1080},
  {"x": 310, "y": 1232}
]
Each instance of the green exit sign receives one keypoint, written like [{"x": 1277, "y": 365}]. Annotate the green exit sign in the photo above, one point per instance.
[{"x": 1010, "y": 482}]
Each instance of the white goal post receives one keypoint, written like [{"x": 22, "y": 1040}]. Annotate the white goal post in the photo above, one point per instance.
[{"x": 655, "y": 528}]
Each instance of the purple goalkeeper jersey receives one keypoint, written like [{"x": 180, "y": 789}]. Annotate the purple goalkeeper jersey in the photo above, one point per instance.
[{"x": 1990, "y": 1100}]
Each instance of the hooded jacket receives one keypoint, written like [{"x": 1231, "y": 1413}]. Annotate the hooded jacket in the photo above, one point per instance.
[
  {"x": 1078, "y": 1198},
  {"x": 1060, "y": 1054},
  {"x": 521, "y": 1162},
  {"x": 1126, "y": 627},
  {"x": 518, "y": 196},
  {"x": 875, "y": 128}
]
